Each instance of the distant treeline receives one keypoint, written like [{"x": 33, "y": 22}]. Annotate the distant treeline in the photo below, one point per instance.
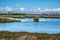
[
  {"x": 12, "y": 14},
  {"x": 24, "y": 14}
]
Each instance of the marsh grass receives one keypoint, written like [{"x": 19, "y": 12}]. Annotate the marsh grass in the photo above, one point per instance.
[{"x": 39, "y": 36}]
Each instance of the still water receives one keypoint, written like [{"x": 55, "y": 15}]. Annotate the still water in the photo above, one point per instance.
[{"x": 45, "y": 25}]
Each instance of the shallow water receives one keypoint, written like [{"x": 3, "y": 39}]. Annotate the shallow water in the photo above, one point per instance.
[{"x": 45, "y": 25}]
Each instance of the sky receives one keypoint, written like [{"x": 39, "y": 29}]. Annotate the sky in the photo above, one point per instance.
[{"x": 26, "y": 6}]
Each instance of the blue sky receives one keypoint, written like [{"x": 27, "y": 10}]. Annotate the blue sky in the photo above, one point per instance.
[{"x": 29, "y": 5}]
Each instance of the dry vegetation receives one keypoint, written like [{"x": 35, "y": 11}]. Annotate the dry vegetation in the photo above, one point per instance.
[
  {"x": 20, "y": 15},
  {"x": 7, "y": 20},
  {"x": 27, "y": 36}
]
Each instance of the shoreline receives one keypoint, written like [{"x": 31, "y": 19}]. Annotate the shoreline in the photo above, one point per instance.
[{"x": 4, "y": 20}]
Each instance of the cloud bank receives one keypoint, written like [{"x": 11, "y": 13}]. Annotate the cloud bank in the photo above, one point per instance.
[{"x": 22, "y": 9}]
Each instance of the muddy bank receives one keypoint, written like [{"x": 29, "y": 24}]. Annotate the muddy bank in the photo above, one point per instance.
[{"x": 2, "y": 20}]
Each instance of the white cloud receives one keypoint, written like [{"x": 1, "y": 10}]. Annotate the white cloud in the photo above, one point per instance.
[
  {"x": 1, "y": 9},
  {"x": 35, "y": 10},
  {"x": 47, "y": 9},
  {"x": 18, "y": 5},
  {"x": 29, "y": 9},
  {"x": 56, "y": 9},
  {"x": 8, "y": 8},
  {"x": 52, "y": 9},
  {"x": 22, "y": 9},
  {"x": 39, "y": 9}
]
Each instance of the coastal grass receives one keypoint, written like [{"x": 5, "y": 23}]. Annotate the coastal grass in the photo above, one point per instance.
[{"x": 40, "y": 36}]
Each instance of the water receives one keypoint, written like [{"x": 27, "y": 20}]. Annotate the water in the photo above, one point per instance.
[{"x": 45, "y": 25}]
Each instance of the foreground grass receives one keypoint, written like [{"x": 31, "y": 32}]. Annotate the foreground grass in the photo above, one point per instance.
[{"x": 37, "y": 36}]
